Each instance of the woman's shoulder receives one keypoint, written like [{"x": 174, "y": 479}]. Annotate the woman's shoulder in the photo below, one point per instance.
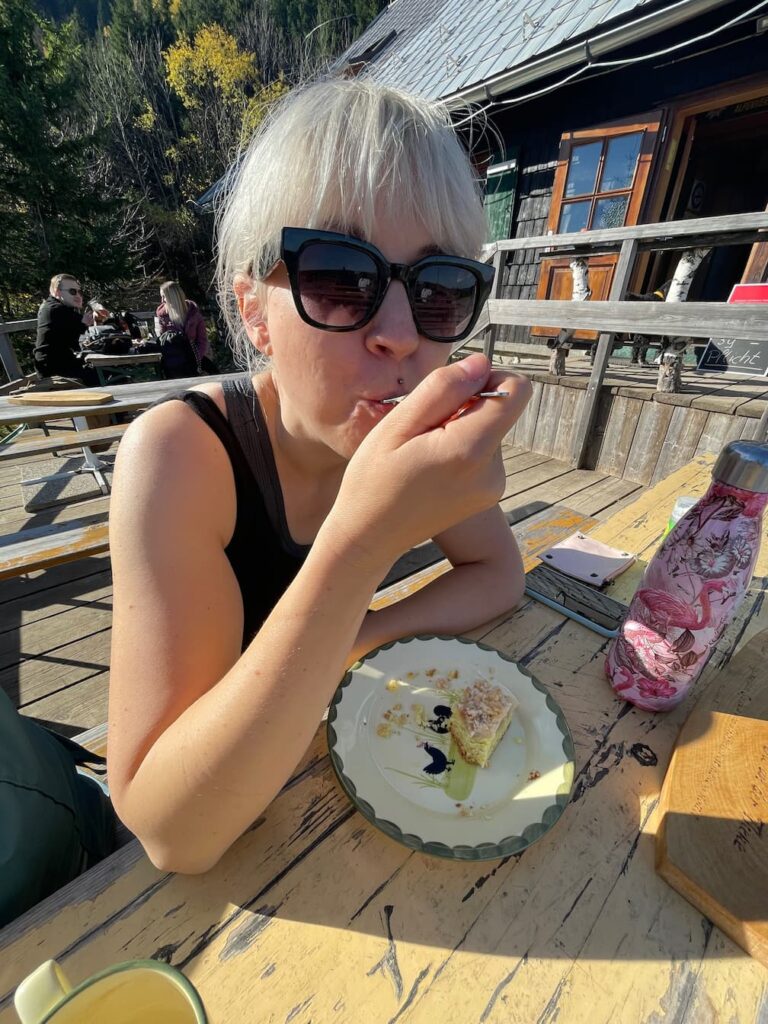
[
  {"x": 170, "y": 456},
  {"x": 167, "y": 424}
]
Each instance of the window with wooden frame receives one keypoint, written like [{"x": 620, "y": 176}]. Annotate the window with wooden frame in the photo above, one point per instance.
[{"x": 601, "y": 181}]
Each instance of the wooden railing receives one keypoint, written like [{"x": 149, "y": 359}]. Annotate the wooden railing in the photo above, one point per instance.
[{"x": 616, "y": 315}]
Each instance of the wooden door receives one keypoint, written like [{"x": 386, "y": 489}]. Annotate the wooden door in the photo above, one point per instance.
[{"x": 756, "y": 270}]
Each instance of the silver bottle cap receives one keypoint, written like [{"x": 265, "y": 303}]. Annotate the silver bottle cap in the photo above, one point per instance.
[{"x": 743, "y": 464}]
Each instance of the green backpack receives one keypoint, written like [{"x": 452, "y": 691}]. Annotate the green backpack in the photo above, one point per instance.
[{"x": 54, "y": 822}]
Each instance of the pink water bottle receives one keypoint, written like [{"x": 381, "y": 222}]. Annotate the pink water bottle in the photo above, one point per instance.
[{"x": 693, "y": 585}]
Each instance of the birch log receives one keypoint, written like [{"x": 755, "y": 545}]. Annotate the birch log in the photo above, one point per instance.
[
  {"x": 563, "y": 343},
  {"x": 671, "y": 363}
]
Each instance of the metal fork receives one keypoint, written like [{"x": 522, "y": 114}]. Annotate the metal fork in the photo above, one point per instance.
[{"x": 474, "y": 398}]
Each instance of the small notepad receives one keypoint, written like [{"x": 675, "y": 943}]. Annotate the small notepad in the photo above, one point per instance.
[{"x": 587, "y": 560}]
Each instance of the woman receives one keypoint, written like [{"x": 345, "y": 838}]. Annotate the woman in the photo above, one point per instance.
[
  {"x": 252, "y": 524},
  {"x": 177, "y": 312}
]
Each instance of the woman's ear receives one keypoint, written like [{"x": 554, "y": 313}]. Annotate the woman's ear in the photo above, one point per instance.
[{"x": 251, "y": 311}]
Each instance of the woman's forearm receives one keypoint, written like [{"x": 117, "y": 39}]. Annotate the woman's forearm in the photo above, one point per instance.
[
  {"x": 460, "y": 599},
  {"x": 216, "y": 768}
]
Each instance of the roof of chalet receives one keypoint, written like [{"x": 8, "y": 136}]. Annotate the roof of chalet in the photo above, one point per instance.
[{"x": 440, "y": 47}]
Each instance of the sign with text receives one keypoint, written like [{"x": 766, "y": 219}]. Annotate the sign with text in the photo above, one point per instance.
[{"x": 731, "y": 355}]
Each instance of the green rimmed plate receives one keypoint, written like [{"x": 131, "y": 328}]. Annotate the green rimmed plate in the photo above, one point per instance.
[{"x": 394, "y": 756}]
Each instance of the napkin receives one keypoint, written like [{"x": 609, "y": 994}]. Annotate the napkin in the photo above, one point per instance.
[{"x": 587, "y": 560}]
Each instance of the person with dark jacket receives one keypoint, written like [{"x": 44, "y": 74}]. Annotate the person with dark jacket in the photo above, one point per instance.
[{"x": 60, "y": 325}]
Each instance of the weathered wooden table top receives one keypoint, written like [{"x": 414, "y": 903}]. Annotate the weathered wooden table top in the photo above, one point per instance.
[
  {"x": 125, "y": 398},
  {"x": 127, "y": 359},
  {"x": 315, "y": 916}
]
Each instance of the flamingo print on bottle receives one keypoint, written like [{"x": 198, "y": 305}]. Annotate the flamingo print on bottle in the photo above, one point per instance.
[
  {"x": 692, "y": 588},
  {"x": 665, "y": 611}
]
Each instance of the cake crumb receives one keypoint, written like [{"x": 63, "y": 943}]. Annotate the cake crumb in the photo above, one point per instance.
[
  {"x": 384, "y": 729},
  {"x": 430, "y": 672},
  {"x": 419, "y": 714},
  {"x": 533, "y": 775},
  {"x": 392, "y": 685},
  {"x": 453, "y": 674}
]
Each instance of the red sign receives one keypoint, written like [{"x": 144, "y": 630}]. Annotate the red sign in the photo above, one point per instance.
[{"x": 749, "y": 293}]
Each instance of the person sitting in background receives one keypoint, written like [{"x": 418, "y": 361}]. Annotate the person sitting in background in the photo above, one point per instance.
[
  {"x": 60, "y": 325},
  {"x": 177, "y": 312}
]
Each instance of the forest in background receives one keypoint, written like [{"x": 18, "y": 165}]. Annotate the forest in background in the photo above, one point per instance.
[{"x": 116, "y": 115}]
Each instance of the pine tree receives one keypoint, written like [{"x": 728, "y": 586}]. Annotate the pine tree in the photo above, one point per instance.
[{"x": 52, "y": 216}]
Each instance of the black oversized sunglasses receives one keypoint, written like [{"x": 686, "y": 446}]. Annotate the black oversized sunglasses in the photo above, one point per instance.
[{"x": 339, "y": 282}]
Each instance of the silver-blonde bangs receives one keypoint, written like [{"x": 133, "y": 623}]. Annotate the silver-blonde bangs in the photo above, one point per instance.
[{"x": 339, "y": 154}]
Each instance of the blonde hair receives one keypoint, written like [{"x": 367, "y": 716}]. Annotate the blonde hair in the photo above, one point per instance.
[
  {"x": 339, "y": 154},
  {"x": 175, "y": 301},
  {"x": 56, "y": 280}
]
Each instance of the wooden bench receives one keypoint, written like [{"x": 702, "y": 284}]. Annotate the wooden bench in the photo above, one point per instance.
[
  {"x": 95, "y": 740},
  {"x": 73, "y": 439},
  {"x": 43, "y": 547}
]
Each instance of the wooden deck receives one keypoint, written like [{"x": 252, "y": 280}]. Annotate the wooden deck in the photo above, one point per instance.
[{"x": 55, "y": 625}]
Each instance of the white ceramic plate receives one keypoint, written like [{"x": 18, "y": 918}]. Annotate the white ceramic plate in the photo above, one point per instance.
[{"x": 393, "y": 753}]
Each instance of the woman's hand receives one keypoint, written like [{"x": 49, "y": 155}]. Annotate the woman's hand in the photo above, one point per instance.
[{"x": 419, "y": 472}]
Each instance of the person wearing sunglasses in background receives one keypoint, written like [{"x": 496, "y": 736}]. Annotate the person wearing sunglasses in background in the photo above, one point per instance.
[
  {"x": 252, "y": 523},
  {"x": 61, "y": 323}
]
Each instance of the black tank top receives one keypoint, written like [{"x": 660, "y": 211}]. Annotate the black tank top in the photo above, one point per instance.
[{"x": 262, "y": 553}]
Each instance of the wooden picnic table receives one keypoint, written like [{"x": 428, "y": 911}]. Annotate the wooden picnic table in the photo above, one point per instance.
[
  {"x": 314, "y": 915},
  {"x": 125, "y": 398},
  {"x": 109, "y": 368}
]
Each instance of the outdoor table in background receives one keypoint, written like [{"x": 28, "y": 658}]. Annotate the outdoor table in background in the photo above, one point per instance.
[
  {"x": 314, "y": 915},
  {"x": 118, "y": 368},
  {"x": 126, "y": 398}
]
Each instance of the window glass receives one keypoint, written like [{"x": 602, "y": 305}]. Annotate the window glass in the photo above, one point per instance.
[
  {"x": 582, "y": 169},
  {"x": 610, "y": 213},
  {"x": 574, "y": 216},
  {"x": 620, "y": 160}
]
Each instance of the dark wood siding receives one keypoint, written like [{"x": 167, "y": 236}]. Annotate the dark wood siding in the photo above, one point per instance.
[{"x": 534, "y": 128}]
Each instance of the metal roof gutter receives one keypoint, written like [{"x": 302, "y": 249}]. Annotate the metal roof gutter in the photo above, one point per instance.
[{"x": 577, "y": 53}]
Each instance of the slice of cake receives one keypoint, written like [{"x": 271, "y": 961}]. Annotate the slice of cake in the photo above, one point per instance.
[{"x": 480, "y": 718}]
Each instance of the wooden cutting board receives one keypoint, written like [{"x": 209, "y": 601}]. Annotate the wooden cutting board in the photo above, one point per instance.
[
  {"x": 61, "y": 398},
  {"x": 712, "y": 841}
]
